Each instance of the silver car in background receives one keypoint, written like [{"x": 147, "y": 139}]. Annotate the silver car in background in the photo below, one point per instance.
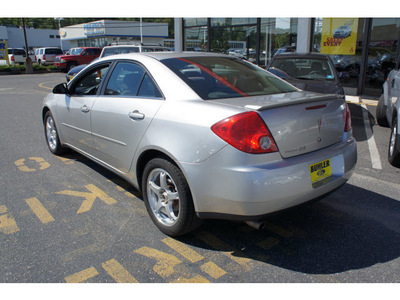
[
  {"x": 203, "y": 135},
  {"x": 387, "y": 112}
]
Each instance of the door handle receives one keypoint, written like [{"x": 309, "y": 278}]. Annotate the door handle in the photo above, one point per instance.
[
  {"x": 136, "y": 115},
  {"x": 85, "y": 109}
]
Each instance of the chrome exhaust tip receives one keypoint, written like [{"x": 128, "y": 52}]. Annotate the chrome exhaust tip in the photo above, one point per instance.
[{"x": 258, "y": 225}]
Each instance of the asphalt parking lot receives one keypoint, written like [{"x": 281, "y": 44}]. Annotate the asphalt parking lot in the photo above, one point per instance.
[{"x": 65, "y": 219}]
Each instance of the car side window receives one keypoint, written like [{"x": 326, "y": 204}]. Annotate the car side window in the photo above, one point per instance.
[
  {"x": 130, "y": 79},
  {"x": 89, "y": 83},
  {"x": 148, "y": 88}
]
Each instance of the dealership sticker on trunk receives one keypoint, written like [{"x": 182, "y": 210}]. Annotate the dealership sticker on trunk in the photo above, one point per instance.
[{"x": 320, "y": 170}]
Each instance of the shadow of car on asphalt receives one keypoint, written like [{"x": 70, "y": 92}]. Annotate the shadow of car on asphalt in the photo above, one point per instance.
[
  {"x": 357, "y": 122},
  {"x": 337, "y": 234}
]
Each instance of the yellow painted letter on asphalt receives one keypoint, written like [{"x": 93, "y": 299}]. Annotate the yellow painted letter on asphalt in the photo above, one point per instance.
[
  {"x": 95, "y": 192},
  {"x": 165, "y": 262},
  {"x": 7, "y": 222},
  {"x": 82, "y": 275},
  {"x": 183, "y": 250},
  {"x": 20, "y": 163},
  {"x": 40, "y": 211},
  {"x": 118, "y": 272}
]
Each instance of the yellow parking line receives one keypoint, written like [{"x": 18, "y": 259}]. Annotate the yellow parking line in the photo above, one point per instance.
[
  {"x": 213, "y": 270},
  {"x": 82, "y": 275},
  {"x": 40, "y": 211},
  {"x": 45, "y": 87},
  {"x": 184, "y": 250},
  {"x": 118, "y": 272},
  {"x": 268, "y": 243},
  {"x": 225, "y": 249}
]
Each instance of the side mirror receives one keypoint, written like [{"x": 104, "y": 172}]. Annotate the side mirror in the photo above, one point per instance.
[{"x": 61, "y": 89}]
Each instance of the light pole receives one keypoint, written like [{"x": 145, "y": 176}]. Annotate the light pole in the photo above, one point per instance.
[{"x": 59, "y": 30}]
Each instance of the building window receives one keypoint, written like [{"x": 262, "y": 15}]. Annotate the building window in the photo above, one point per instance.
[{"x": 52, "y": 36}]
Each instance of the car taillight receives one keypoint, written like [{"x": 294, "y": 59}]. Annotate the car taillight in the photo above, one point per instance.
[
  {"x": 246, "y": 132},
  {"x": 347, "y": 126},
  {"x": 12, "y": 57},
  {"x": 44, "y": 57}
]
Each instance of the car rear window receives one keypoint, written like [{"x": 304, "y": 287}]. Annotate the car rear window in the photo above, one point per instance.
[
  {"x": 54, "y": 51},
  {"x": 18, "y": 52},
  {"x": 225, "y": 77},
  {"x": 305, "y": 68}
]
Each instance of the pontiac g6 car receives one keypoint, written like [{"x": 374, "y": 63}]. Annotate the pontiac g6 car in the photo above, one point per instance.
[{"x": 203, "y": 135}]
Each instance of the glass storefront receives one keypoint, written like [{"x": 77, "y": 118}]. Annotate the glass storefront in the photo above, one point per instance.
[
  {"x": 363, "y": 50},
  {"x": 361, "y": 71},
  {"x": 241, "y": 36}
]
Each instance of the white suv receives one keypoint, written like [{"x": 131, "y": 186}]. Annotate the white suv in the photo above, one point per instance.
[
  {"x": 46, "y": 56},
  {"x": 387, "y": 112}
]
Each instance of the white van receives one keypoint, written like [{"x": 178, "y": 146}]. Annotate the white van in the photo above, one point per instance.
[{"x": 47, "y": 55}]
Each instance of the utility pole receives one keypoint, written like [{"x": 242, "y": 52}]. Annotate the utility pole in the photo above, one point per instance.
[
  {"x": 59, "y": 29},
  {"x": 28, "y": 61}
]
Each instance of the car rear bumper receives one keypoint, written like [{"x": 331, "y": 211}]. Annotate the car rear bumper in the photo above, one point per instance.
[{"x": 258, "y": 185}]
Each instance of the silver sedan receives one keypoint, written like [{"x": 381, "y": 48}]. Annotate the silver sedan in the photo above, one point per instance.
[{"x": 203, "y": 135}]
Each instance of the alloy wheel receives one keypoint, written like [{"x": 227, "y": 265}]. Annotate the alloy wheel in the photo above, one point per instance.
[
  {"x": 163, "y": 196},
  {"x": 51, "y": 133}
]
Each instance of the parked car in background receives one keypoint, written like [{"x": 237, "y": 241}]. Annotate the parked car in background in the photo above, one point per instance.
[
  {"x": 310, "y": 72},
  {"x": 77, "y": 56},
  {"x": 342, "y": 32},
  {"x": 118, "y": 49},
  {"x": 387, "y": 112},
  {"x": 47, "y": 55},
  {"x": 203, "y": 135},
  {"x": 16, "y": 56},
  {"x": 121, "y": 49}
]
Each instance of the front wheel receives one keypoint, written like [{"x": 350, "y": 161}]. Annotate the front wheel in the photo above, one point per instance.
[
  {"x": 168, "y": 199},
  {"x": 51, "y": 133},
  {"x": 394, "y": 145}
]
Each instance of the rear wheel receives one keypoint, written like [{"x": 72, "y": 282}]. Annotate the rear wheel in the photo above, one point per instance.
[
  {"x": 381, "y": 113},
  {"x": 168, "y": 199},
  {"x": 394, "y": 145}
]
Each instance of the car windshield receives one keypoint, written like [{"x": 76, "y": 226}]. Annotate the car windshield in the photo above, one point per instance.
[
  {"x": 305, "y": 68},
  {"x": 75, "y": 51},
  {"x": 225, "y": 77}
]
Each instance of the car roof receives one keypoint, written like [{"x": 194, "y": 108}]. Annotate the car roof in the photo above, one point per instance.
[{"x": 301, "y": 55}]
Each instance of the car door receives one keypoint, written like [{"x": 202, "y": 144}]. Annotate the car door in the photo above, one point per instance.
[
  {"x": 74, "y": 112},
  {"x": 121, "y": 116}
]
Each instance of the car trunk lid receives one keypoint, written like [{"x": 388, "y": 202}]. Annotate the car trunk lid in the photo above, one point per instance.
[{"x": 300, "y": 122}]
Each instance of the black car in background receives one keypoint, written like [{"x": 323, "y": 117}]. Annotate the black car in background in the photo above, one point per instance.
[{"x": 310, "y": 72}]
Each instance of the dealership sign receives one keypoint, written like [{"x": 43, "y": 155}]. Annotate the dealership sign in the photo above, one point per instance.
[
  {"x": 339, "y": 36},
  {"x": 3, "y": 50},
  {"x": 94, "y": 28}
]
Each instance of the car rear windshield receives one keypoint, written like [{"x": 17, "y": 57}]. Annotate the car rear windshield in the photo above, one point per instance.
[
  {"x": 305, "y": 68},
  {"x": 54, "y": 51},
  {"x": 225, "y": 77}
]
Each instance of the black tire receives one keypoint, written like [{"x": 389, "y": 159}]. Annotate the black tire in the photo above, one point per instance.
[
  {"x": 381, "y": 113},
  {"x": 394, "y": 145},
  {"x": 168, "y": 198},
  {"x": 70, "y": 66},
  {"x": 51, "y": 135}
]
